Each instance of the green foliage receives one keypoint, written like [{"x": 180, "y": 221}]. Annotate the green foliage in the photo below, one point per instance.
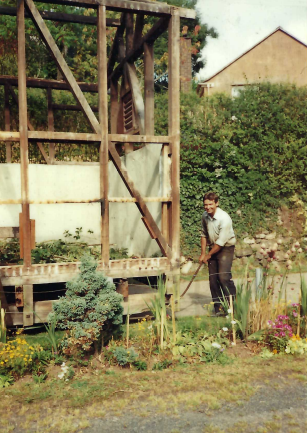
[
  {"x": 6, "y": 380},
  {"x": 123, "y": 356},
  {"x": 241, "y": 307},
  {"x": 90, "y": 307},
  {"x": 162, "y": 365},
  {"x": 303, "y": 288},
  {"x": 251, "y": 150}
]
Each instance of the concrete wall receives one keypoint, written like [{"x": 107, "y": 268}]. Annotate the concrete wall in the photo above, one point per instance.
[
  {"x": 67, "y": 182},
  {"x": 279, "y": 58}
]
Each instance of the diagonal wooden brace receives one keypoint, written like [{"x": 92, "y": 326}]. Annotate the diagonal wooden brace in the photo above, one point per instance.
[{"x": 149, "y": 221}]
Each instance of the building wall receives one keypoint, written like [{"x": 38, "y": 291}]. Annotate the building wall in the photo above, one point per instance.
[
  {"x": 279, "y": 58},
  {"x": 68, "y": 182}
]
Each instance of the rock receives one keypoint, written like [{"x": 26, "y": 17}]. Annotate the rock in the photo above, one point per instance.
[
  {"x": 243, "y": 252},
  {"x": 271, "y": 236},
  {"x": 249, "y": 241},
  {"x": 260, "y": 236}
]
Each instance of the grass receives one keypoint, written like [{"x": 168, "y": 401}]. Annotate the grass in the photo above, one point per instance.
[{"x": 95, "y": 394}]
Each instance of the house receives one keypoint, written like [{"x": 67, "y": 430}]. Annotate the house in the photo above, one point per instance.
[{"x": 278, "y": 58}]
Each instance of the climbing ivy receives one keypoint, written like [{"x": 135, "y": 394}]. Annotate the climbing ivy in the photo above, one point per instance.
[{"x": 251, "y": 150}]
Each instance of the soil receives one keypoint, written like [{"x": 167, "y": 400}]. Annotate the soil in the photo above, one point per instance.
[{"x": 280, "y": 407}]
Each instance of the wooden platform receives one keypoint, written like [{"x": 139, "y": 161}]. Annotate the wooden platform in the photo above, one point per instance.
[{"x": 139, "y": 295}]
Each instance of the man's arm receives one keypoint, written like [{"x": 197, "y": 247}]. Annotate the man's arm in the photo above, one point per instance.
[{"x": 205, "y": 257}]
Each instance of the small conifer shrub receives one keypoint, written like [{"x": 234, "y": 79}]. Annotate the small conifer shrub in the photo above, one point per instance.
[{"x": 90, "y": 307}]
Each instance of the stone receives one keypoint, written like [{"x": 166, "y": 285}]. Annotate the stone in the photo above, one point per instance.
[
  {"x": 271, "y": 236},
  {"x": 260, "y": 236},
  {"x": 243, "y": 252},
  {"x": 249, "y": 241}
]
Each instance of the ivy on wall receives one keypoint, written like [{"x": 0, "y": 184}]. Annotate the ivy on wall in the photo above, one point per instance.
[{"x": 251, "y": 150}]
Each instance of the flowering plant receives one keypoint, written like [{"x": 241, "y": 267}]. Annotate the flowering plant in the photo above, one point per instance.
[
  {"x": 279, "y": 332},
  {"x": 17, "y": 356},
  {"x": 296, "y": 346}
]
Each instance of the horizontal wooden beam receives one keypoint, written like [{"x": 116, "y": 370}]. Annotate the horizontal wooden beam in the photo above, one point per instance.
[
  {"x": 145, "y": 7},
  {"x": 157, "y": 29},
  {"x": 58, "y": 137},
  {"x": 125, "y": 138},
  {"x": 16, "y": 275},
  {"x": 133, "y": 199},
  {"x": 6, "y": 232},
  {"x": 67, "y": 107},
  {"x": 62, "y": 17},
  {"x": 42, "y": 83}
]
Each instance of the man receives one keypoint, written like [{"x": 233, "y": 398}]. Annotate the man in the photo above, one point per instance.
[{"x": 218, "y": 234}]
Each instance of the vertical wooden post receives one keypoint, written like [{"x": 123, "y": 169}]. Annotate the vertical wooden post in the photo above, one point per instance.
[
  {"x": 7, "y": 120},
  {"x": 174, "y": 131},
  {"x": 50, "y": 124},
  {"x": 149, "y": 89},
  {"x": 103, "y": 120},
  {"x": 114, "y": 106},
  {"x": 23, "y": 130},
  {"x": 28, "y": 305}
]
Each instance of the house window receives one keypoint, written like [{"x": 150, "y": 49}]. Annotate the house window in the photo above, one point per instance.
[{"x": 236, "y": 89}]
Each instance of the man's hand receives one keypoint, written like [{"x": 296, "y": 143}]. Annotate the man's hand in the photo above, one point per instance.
[{"x": 204, "y": 258}]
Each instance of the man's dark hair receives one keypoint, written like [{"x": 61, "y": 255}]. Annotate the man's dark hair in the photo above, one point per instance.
[{"x": 211, "y": 196}]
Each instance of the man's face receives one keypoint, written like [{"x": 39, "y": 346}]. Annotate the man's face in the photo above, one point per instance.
[{"x": 210, "y": 207}]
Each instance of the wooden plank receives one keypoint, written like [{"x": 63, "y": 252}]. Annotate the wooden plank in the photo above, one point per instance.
[
  {"x": 123, "y": 138},
  {"x": 115, "y": 50},
  {"x": 129, "y": 24},
  {"x": 137, "y": 97},
  {"x": 32, "y": 228},
  {"x": 42, "y": 83},
  {"x": 28, "y": 305},
  {"x": 165, "y": 217},
  {"x": 21, "y": 236},
  {"x": 103, "y": 119},
  {"x": 30, "y": 127},
  {"x": 4, "y": 305},
  {"x": 50, "y": 124},
  {"x": 59, "y": 137},
  {"x": 23, "y": 129},
  {"x": 71, "y": 107},
  {"x": 114, "y": 106},
  {"x": 140, "y": 201},
  {"x": 9, "y": 232},
  {"x": 174, "y": 130},
  {"x": 7, "y": 122},
  {"x": 62, "y": 17},
  {"x": 62, "y": 65},
  {"x": 149, "y": 89},
  {"x": 9, "y": 136},
  {"x": 66, "y": 201},
  {"x": 157, "y": 29},
  {"x": 145, "y": 7},
  {"x": 133, "y": 200},
  {"x": 138, "y": 30}
]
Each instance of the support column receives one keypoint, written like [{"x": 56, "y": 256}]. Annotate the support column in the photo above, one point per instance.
[
  {"x": 50, "y": 124},
  {"x": 7, "y": 120},
  {"x": 149, "y": 89},
  {"x": 23, "y": 130},
  {"x": 28, "y": 305},
  {"x": 174, "y": 133},
  {"x": 103, "y": 120}
]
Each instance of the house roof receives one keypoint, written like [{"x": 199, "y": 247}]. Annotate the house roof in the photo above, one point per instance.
[{"x": 250, "y": 49}]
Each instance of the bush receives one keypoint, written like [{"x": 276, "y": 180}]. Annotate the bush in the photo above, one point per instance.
[
  {"x": 90, "y": 309},
  {"x": 251, "y": 150}
]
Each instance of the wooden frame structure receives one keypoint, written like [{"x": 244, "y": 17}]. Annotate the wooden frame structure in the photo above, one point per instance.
[{"x": 132, "y": 121}]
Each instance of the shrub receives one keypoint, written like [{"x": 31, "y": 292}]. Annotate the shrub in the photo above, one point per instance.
[
  {"x": 123, "y": 356},
  {"x": 90, "y": 307}
]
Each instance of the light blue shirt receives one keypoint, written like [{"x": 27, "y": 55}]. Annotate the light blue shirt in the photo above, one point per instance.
[{"x": 218, "y": 229}]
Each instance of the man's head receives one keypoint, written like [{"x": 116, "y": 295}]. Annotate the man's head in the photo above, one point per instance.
[{"x": 211, "y": 202}]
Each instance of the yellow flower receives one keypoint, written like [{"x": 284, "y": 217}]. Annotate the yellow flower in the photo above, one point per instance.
[{"x": 275, "y": 351}]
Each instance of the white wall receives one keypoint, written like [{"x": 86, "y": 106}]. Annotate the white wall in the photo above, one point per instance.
[{"x": 69, "y": 182}]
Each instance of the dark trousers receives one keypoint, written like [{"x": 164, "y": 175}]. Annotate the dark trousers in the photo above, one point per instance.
[{"x": 220, "y": 277}]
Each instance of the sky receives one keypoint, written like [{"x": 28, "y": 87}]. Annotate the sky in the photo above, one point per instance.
[{"x": 243, "y": 23}]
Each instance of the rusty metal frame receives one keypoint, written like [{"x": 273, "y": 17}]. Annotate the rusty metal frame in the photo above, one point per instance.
[{"x": 108, "y": 76}]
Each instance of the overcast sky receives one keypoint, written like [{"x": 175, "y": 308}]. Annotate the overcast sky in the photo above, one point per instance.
[{"x": 242, "y": 23}]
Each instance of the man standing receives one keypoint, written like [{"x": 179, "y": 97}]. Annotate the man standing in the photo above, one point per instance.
[{"x": 218, "y": 234}]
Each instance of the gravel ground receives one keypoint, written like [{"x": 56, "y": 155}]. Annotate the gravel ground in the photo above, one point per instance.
[{"x": 280, "y": 406}]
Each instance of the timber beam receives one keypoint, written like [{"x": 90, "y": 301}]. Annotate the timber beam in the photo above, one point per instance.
[
  {"x": 157, "y": 29},
  {"x": 62, "y": 17},
  {"x": 139, "y": 7},
  {"x": 41, "y": 83}
]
